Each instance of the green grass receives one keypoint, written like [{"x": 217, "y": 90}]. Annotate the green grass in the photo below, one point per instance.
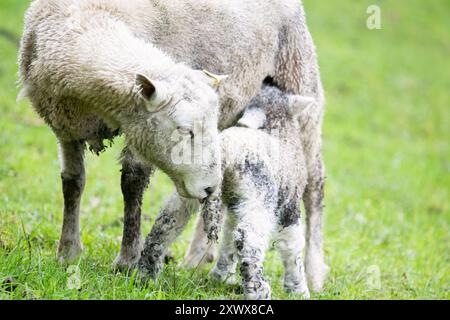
[{"x": 387, "y": 154}]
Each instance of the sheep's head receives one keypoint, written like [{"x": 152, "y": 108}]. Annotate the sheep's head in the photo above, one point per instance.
[{"x": 174, "y": 126}]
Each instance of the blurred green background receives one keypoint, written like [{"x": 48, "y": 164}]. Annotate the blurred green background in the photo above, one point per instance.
[{"x": 386, "y": 145}]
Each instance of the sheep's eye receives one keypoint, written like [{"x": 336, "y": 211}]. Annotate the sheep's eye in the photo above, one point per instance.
[{"x": 186, "y": 130}]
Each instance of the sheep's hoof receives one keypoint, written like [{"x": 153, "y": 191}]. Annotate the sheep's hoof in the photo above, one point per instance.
[
  {"x": 128, "y": 256},
  {"x": 125, "y": 263},
  {"x": 316, "y": 275},
  {"x": 210, "y": 257},
  {"x": 69, "y": 250},
  {"x": 192, "y": 261}
]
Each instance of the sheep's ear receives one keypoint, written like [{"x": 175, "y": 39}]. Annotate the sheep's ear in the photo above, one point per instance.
[
  {"x": 300, "y": 105},
  {"x": 214, "y": 80},
  {"x": 146, "y": 86},
  {"x": 253, "y": 118},
  {"x": 154, "y": 93}
]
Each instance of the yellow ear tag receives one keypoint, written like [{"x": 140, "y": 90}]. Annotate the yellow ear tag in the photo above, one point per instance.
[{"x": 215, "y": 78}]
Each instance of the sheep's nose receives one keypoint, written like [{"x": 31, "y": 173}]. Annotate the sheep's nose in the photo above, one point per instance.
[{"x": 210, "y": 190}]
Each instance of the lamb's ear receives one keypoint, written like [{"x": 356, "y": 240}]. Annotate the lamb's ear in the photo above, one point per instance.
[
  {"x": 214, "y": 80},
  {"x": 300, "y": 105},
  {"x": 153, "y": 92},
  {"x": 253, "y": 118}
]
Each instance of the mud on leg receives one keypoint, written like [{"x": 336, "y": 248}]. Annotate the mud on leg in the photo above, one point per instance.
[
  {"x": 225, "y": 268},
  {"x": 252, "y": 233},
  {"x": 170, "y": 223},
  {"x": 73, "y": 181},
  {"x": 134, "y": 181},
  {"x": 290, "y": 243}
]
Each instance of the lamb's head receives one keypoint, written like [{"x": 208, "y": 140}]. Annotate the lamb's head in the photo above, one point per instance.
[
  {"x": 174, "y": 126},
  {"x": 273, "y": 109}
]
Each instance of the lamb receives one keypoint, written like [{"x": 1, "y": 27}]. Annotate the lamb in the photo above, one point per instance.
[
  {"x": 264, "y": 175},
  {"x": 96, "y": 68}
]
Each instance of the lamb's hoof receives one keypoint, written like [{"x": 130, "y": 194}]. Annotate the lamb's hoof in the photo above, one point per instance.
[
  {"x": 257, "y": 291},
  {"x": 298, "y": 289},
  {"x": 227, "y": 278},
  {"x": 69, "y": 251},
  {"x": 149, "y": 270},
  {"x": 169, "y": 258}
]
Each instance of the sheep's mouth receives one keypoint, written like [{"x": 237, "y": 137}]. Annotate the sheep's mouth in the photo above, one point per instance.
[
  {"x": 182, "y": 190},
  {"x": 189, "y": 193}
]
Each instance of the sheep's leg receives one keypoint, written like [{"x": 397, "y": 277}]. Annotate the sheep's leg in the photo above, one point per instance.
[
  {"x": 298, "y": 72},
  {"x": 169, "y": 224},
  {"x": 134, "y": 181},
  {"x": 316, "y": 269},
  {"x": 199, "y": 251},
  {"x": 73, "y": 181},
  {"x": 290, "y": 243},
  {"x": 251, "y": 237},
  {"x": 225, "y": 268}
]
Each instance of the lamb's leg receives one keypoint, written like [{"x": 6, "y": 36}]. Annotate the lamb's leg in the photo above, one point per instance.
[
  {"x": 73, "y": 181},
  {"x": 134, "y": 181},
  {"x": 316, "y": 269},
  {"x": 225, "y": 268},
  {"x": 253, "y": 229},
  {"x": 169, "y": 224},
  {"x": 290, "y": 243},
  {"x": 199, "y": 251}
]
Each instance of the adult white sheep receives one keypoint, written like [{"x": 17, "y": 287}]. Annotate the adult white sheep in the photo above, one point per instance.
[{"x": 79, "y": 60}]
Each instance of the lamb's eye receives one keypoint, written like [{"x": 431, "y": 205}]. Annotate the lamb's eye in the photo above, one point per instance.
[{"x": 186, "y": 130}]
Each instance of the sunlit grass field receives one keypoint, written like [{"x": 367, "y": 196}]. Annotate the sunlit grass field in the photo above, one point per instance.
[{"x": 386, "y": 146}]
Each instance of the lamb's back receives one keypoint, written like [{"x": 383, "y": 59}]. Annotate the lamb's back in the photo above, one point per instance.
[{"x": 281, "y": 161}]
